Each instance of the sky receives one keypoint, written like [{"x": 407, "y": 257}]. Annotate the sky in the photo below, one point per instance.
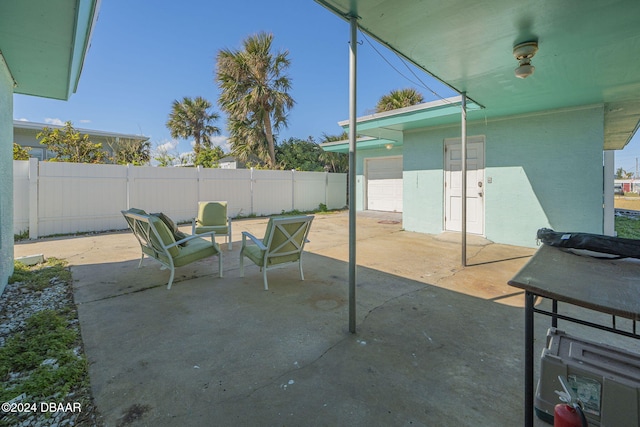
[{"x": 146, "y": 54}]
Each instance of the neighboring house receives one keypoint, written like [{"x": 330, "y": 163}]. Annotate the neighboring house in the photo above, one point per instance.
[
  {"x": 539, "y": 150},
  {"x": 37, "y": 58},
  {"x": 230, "y": 162},
  {"x": 627, "y": 185},
  {"x": 24, "y": 134}
]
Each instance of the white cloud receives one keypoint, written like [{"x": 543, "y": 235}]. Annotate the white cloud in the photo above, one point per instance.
[
  {"x": 85, "y": 121},
  {"x": 185, "y": 155},
  {"x": 57, "y": 122},
  {"x": 23, "y": 120},
  {"x": 222, "y": 142},
  {"x": 167, "y": 146}
]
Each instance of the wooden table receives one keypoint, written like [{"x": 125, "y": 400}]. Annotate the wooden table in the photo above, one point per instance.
[{"x": 604, "y": 285}]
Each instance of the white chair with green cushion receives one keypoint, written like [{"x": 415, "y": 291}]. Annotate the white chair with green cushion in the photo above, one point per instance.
[
  {"x": 159, "y": 242},
  {"x": 212, "y": 216},
  {"x": 283, "y": 242}
]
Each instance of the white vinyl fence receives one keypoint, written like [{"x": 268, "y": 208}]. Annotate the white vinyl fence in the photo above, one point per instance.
[{"x": 61, "y": 198}]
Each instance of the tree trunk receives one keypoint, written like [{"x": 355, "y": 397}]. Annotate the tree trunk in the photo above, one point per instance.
[{"x": 269, "y": 134}]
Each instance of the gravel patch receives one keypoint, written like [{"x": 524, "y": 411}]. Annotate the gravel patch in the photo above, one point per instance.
[{"x": 17, "y": 304}]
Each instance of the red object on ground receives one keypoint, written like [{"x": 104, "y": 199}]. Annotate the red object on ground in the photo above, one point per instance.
[{"x": 566, "y": 416}]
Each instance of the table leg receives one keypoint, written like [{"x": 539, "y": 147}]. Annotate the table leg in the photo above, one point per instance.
[
  {"x": 529, "y": 299},
  {"x": 554, "y": 319}
]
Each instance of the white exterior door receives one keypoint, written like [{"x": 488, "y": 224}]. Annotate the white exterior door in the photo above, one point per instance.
[
  {"x": 384, "y": 184},
  {"x": 475, "y": 185}
]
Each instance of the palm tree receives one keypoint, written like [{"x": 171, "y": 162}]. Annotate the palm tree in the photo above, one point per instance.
[
  {"x": 191, "y": 118},
  {"x": 254, "y": 94},
  {"x": 398, "y": 99},
  {"x": 335, "y": 162}
]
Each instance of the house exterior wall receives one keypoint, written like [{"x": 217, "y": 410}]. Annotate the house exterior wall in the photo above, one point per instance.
[
  {"x": 545, "y": 170},
  {"x": 27, "y": 138},
  {"x": 6, "y": 174}
]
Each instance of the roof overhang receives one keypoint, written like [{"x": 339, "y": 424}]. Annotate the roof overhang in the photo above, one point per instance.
[
  {"x": 585, "y": 57},
  {"x": 362, "y": 143},
  {"x": 37, "y": 127},
  {"x": 44, "y": 44},
  {"x": 391, "y": 125}
]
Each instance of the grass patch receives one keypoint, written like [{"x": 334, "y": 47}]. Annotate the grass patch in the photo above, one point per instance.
[
  {"x": 628, "y": 228},
  {"x": 23, "y": 235},
  {"x": 44, "y": 358},
  {"x": 40, "y": 360},
  {"x": 322, "y": 209},
  {"x": 38, "y": 277}
]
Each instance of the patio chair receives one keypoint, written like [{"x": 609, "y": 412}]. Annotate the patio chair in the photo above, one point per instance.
[
  {"x": 212, "y": 216},
  {"x": 283, "y": 242},
  {"x": 159, "y": 239}
]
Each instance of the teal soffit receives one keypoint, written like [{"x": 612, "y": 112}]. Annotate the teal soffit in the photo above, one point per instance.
[
  {"x": 379, "y": 130},
  {"x": 366, "y": 143},
  {"x": 587, "y": 52},
  {"x": 44, "y": 44}
]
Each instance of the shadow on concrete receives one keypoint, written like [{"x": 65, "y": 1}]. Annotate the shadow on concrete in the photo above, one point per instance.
[{"x": 225, "y": 350}]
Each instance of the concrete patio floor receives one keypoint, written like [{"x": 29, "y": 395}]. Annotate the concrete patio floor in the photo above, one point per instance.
[{"x": 436, "y": 344}]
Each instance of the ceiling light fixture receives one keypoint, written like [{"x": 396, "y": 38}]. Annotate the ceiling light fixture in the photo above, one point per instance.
[
  {"x": 523, "y": 53},
  {"x": 389, "y": 146}
]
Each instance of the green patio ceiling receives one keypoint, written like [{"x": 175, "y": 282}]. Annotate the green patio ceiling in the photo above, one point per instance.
[
  {"x": 44, "y": 43},
  {"x": 589, "y": 52}
]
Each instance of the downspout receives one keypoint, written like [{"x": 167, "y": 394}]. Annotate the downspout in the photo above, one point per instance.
[
  {"x": 353, "y": 59},
  {"x": 463, "y": 169}
]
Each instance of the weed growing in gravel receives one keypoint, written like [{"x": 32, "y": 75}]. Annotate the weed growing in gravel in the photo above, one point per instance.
[
  {"x": 44, "y": 358},
  {"x": 40, "y": 276},
  {"x": 40, "y": 361}
]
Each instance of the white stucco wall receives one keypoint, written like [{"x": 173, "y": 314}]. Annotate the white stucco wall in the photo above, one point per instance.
[
  {"x": 6, "y": 174},
  {"x": 545, "y": 171}
]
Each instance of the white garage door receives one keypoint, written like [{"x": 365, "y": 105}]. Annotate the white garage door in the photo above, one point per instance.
[{"x": 384, "y": 184}]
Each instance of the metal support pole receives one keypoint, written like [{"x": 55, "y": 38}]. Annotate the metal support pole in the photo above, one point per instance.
[
  {"x": 463, "y": 171},
  {"x": 529, "y": 300},
  {"x": 353, "y": 59}
]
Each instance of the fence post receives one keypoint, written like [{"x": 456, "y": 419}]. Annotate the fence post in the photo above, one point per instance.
[
  {"x": 293, "y": 190},
  {"x": 326, "y": 189},
  {"x": 34, "y": 177},
  {"x": 128, "y": 185},
  {"x": 251, "y": 189}
]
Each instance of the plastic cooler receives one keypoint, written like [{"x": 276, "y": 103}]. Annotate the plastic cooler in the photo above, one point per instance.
[{"x": 605, "y": 378}]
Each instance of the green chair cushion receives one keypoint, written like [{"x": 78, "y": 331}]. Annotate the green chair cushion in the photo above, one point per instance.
[
  {"x": 194, "y": 250},
  {"x": 221, "y": 229},
  {"x": 212, "y": 214},
  {"x": 137, "y": 211},
  {"x": 177, "y": 234},
  {"x": 255, "y": 254},
  {"x": 279, "y": 238},
  {"x": 165, "y": 235}
]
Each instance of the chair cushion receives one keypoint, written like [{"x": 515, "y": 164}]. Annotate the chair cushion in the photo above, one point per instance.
[
  {"x": 219, "y": 230},
  {"x": 177, "y": 234},
  {"x": 255, "y": 254},
  {"x": 194, "y": 250},
  {"x": 267, "y": 233},
  {"x": 279, "y": 238},
  {"x": 136, "y": 211},
  {"x": 165, "y": 235},
  {"x": 212, "y": 214}
]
